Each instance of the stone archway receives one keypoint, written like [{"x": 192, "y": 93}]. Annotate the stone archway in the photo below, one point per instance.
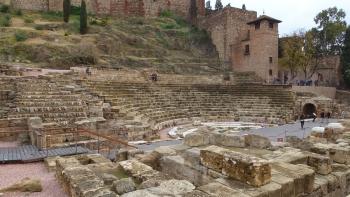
[{"x": 309, "y": 109}]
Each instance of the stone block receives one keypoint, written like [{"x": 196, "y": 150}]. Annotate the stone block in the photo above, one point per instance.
[
  {"x": 192, "y": 157},
  {"x": 251, "y": 170},
  {"x": 138, "y": 170},
  {"x": 216, "y": 189},
  {"x": 175, "y": 167},
  {"x": 286, "y": 183},
  {"x": 273, "y": 189},
  {"x": 196, "y": 193},
  {"x": 231, "y": 140},
  {"x": 257, "y": 141},
  {"x": 321, "y": 164},
  {"x": 212, "y": 157},
  {"x": 123, "y": 186},
  {"x": 215, "y": 138},
  {"x": 243, "y": 187},
  {"x": 302, "y": 175},
  {"x": 196, "y": 139}
]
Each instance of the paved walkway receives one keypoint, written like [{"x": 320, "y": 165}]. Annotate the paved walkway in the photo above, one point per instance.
[
  {"x": 273, "y": 133},
  {"x": 30, "y": 153},
  {"x": 294, "y": 129}
]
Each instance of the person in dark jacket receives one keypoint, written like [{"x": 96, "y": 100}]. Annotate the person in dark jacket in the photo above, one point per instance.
[{"x": 302, "y": 121}]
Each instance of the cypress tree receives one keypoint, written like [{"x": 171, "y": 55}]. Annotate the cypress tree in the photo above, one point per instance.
[
  {"x": 66, "y": 10},
  {"x": 193, "y": 12},
  {"x": 83, "y": 18},
  {"x": 345, "y": 58}
]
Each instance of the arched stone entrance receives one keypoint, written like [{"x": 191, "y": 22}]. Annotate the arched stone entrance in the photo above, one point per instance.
[{"x": 309, "y": 109}]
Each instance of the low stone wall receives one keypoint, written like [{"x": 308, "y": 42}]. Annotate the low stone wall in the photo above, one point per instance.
[
  {"x": 343, "y": 97},
  {"x": 329, "y": 92}
]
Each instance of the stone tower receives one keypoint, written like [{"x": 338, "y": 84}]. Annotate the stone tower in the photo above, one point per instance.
[{"x": 258, "y": 49}]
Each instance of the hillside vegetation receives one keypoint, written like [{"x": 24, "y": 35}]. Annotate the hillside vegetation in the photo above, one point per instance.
[{"x": 167, "y": 44}]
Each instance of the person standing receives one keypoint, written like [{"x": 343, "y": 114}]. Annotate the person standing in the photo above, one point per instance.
[
  {"x": 302, "y": 121},
  {"x": 314, "y": 116}
]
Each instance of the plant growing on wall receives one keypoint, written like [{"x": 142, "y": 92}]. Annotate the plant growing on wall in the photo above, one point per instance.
[
  {"x": 66, "y": 10},
  {"x": 83, "y": 18}
]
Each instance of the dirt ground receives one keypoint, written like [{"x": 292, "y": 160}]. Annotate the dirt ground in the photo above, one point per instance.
[{"x": 12, "y": 173}]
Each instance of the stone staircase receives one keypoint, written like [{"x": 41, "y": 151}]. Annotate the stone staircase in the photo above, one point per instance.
[
  {"x": 157, "y": 104},
  {"x": 6, "y": 96}
]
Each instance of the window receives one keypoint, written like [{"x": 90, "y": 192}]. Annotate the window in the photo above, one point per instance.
[
  {"x": 271, "y": 25},
  {"x": 270, "y": 60},
  {"x": 247, "y": 50},
  {"x": 270, "y": 72},
  {"x": 257, "y": 25}
]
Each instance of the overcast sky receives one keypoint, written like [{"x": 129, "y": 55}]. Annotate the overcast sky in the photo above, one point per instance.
[{"x": 295, "y": 14}]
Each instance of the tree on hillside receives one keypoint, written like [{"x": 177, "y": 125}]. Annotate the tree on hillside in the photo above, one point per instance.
[
  {"x": 193, "y": 12},
  {"x": 330, "y": 30},
  {"x": 345, "y": 58},
  {"x": 244, "y": 7},
  {"x": 218, "y": 5},
  {"x": 83, "y": 18},
  {"x": 66, "y": 10}
]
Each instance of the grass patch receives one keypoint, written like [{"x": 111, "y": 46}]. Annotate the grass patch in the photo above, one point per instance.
[
  {"x": 52, "y": 16},
  {"x": 5, "y": 20},
  {"x": 28, "y": 20},
  {"x": 21, "y": 36}
]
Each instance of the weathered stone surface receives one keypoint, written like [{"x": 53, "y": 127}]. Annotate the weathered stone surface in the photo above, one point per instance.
[
  {"x": 196, "y": 139},
  {"x": 216, "y": 189},
  {"x": 231, "y": 140},
  {"x": 196, "y": 193},
  {"x": 108, "y": 179},
  {"x": 303, "y": 176},
  {"x": 138, "y": 170},
  {"x": 176, "y": 188},
  {"x": 257, "y": 141},
  {"x": 123, "y": 186},
  {"x": 150, "y": 183},
  {"x": 175, "y": 167},
  {"x": 213, "y": 157},
  {"x": 286, "y": 183},
  {"x": 215, "y": 138},
  {"x": 321, "y": 164},
  {"x": 273, "y": 189},
  {"x": 248, "y": 169},
  {"x": 25, "y": 185},
  {"x": 337, "y": 153},
  {"x": 192, "y": 157},
  {"x": 243, "y": 187}
]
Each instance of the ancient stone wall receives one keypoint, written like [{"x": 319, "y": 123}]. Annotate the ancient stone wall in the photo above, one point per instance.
[
  {"x": 148, "y": 8},
  {"x": 228, "y": 27}
]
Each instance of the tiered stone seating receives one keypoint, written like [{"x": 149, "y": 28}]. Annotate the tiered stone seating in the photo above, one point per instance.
[
  {"x": 49, "y": 101},
  {"x": 159, "y": 103},
  {"x": 6, "y": 96}
]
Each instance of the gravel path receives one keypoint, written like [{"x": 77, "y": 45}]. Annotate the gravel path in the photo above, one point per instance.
[{"x": 12, "y": 173}]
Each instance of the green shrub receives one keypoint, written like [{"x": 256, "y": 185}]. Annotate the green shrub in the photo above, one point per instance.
[
  {"x": 38, "y": 27},
  {"x": 4, "y": 8},
  {"x": 52, "y": 16},
  {"x": 168, "y": 26},
  {"x": 28, "y": 20},
  {"x": 98, "y": 21},
  {"x": 5, "y": 21},
  {"x": 18, "y": 12},
  {"x": 75, "y": 10},
  {"x": 179, "y": 20},
  {"x": 21, "y": 36}
]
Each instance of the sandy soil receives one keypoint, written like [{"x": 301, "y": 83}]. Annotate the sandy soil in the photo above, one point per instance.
[{"x": 12, "y": 173}]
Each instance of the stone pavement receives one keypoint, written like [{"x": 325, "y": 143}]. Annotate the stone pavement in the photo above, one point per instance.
[
  {"x": 294, "y": 129},
  {"x": 273, "y": 133}
]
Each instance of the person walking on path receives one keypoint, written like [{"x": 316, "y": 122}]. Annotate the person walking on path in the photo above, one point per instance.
[
  {"x": 302, "y": 121},
  {"x": 328, "y": 116},
  {"x": 314, "y": 116}
]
